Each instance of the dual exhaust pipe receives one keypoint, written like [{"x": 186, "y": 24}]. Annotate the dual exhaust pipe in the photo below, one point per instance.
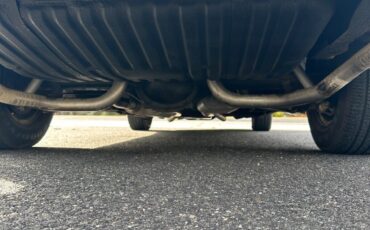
[
  {"x": 25, "y": 99},
  {"x": 335, "y": 81}
]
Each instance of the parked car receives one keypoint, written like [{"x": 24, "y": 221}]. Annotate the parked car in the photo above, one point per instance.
[{"x": 187, "y": 58}]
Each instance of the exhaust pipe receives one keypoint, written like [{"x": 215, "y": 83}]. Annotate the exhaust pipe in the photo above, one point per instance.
[
  {"x": 335, "y": 81},
  {"x": 18, "y": 98}
]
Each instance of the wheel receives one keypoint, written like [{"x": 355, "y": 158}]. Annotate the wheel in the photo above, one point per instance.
[
  {"x": 140, "y": 123},
  {"x": 341, "y": 124},
  {"x": 22, "y": 127},
  {"x": 262, "y": 122}
]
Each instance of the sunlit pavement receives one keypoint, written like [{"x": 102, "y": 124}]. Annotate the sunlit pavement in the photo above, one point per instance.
[
  {"x": 98, "y": 131},
  {"x": 93, "y": 172}
]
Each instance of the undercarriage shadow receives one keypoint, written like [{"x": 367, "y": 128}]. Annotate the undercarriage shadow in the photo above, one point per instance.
[{"x": 207, "y": 142}]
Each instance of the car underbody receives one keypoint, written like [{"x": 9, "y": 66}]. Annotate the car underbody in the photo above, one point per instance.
[{"x": 181, "y": 59}]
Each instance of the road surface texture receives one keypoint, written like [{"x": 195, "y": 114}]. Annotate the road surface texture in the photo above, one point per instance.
[{"x": 93, "y": 173}]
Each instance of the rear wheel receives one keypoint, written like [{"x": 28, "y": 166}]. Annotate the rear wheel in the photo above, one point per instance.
[
  {"x": 262, "y": 122},
  {"x": 140, "y": 123},
  {"x": 341, "y": 124},
  {"x": 22, "y": 127}
]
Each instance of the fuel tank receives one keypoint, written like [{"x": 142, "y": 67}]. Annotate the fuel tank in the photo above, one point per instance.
[{"x": 104, "y": 40}]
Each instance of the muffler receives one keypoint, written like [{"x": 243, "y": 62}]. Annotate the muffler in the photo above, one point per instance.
[
  {"x": 335, "y": 81},
  {"x": 210, "y": 106}
]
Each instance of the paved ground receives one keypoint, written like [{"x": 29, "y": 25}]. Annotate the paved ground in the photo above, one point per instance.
[{"x": 104, "y": 176}]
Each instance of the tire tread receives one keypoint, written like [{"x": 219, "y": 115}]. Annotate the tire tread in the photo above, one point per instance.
[{"x": 140, "y": 123}]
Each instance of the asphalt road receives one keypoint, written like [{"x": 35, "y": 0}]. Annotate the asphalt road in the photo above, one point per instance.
[{"x": 95, "y": 173}]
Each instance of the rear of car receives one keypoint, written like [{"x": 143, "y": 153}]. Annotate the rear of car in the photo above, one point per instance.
[{"x": 187, "y": 59}]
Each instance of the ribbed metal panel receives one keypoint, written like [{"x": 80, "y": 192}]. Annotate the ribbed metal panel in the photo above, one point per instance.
[{"x": 96, "y": 40}]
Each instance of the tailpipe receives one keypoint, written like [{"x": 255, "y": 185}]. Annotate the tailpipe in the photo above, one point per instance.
[
  {"x": 335, "y": 81},
  {"x": 24, "y": 99}
]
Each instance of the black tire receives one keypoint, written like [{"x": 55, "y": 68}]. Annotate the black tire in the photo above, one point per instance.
[
  {"x": 22, "y": 128},
  {"x": 140, "y": 123},
  {"x": 341, "y": 125},
  {"x": 262, "y": 123}
]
